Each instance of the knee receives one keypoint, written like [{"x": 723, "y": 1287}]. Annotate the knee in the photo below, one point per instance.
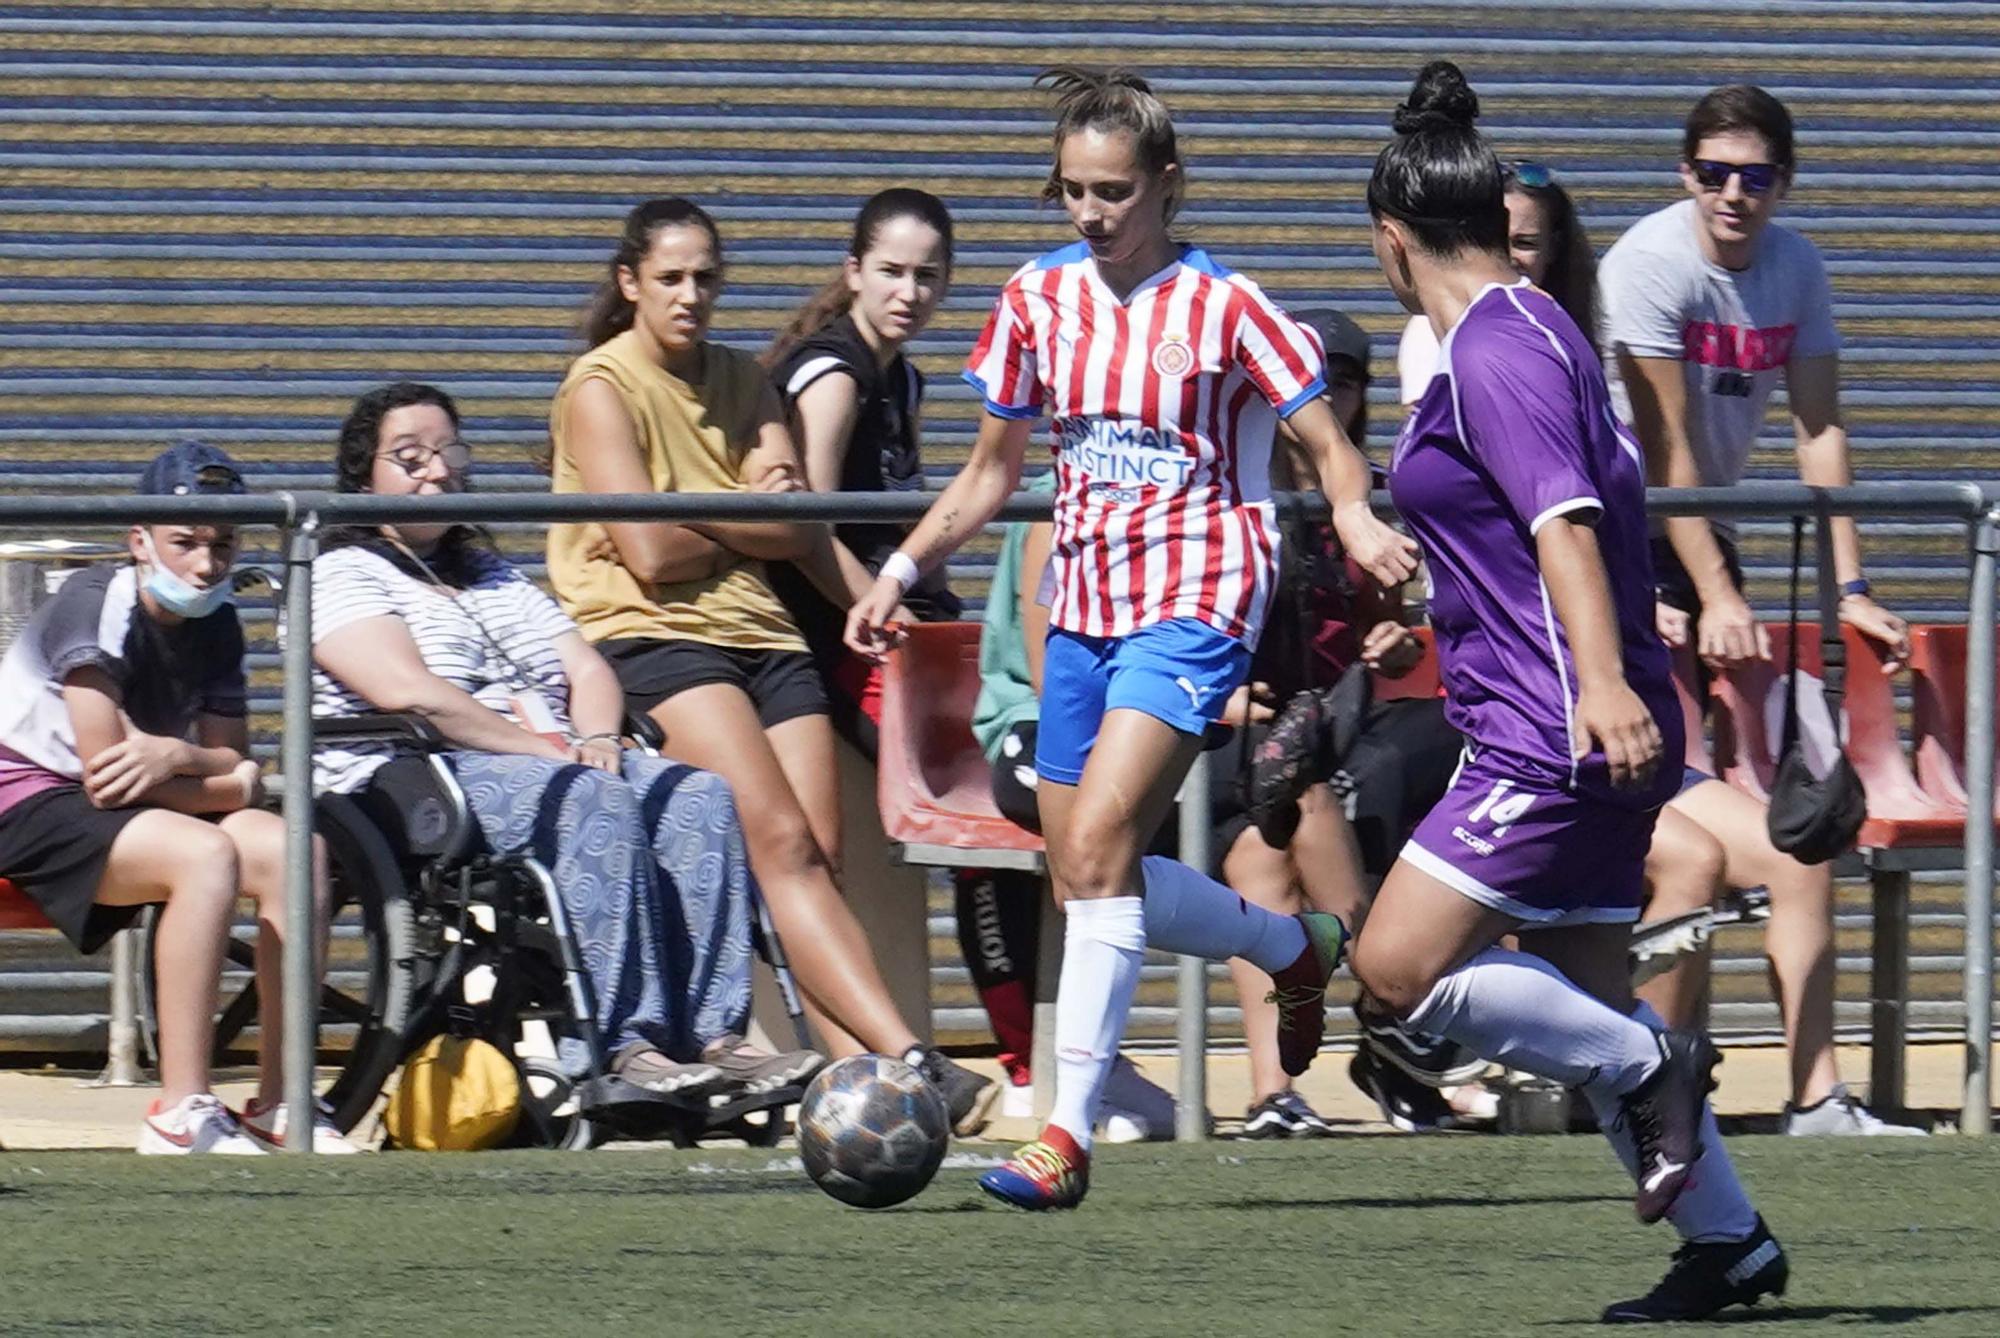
[
  {"x": 784, "y": 842},
  {"x": 1684, "y": 871},
  {"x": 207, "y": 864},
  {"x": 1392, "y": 988},
  {"x": 1094, "y": 857}
]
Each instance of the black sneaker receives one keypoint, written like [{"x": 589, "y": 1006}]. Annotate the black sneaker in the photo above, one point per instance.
[
  {"x": 1286, "y": 1115},
  {"x": 1664, "y": 1114},
  {"x": 1430, "y": 1060},
  {"x": 967, "y": 1096},
  {"x": 1704, "y": 1279},
  {"x": 1409, "y": 1106}
]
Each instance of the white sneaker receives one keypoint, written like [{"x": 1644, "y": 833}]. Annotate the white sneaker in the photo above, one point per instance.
[
  {"x": 1133, "y": 1109},
  {"x": 200, "y": 1123},
  {"x": 1839, "y": 1114},
  {"x": 266, "y": 1124}
]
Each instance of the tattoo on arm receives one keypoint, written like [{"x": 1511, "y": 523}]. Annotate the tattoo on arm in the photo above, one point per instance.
[{"x": 947, "y": 522}]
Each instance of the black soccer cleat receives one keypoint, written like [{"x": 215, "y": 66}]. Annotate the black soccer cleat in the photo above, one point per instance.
[
  {"x": 1664, "y": 1114},
  {"x": 1705, "y": 1279}
]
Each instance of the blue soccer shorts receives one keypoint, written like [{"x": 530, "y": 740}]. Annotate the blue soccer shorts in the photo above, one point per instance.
[{"x": 1181, "y": 672}]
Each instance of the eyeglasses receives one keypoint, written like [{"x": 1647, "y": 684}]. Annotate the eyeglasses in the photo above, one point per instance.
[
  {"x": 414, "y": 459},
  {"x": 1534, "y": 176},
  {"x": 1758, "y": 178}
]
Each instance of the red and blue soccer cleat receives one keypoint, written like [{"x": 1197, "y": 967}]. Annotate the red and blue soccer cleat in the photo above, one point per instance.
[{"x": 1052, "y": 1172}]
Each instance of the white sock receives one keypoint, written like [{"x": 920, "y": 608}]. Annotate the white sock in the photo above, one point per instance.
[
  {"x": 1188, "y": 912},
  {"x": 1713, "y": 1207},
  {"x": 1104, "y": 943},
  {"x": 1517, "y": 1010}
]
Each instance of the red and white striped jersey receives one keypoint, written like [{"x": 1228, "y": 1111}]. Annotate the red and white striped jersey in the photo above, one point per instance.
[{"x": 1164, "y": 408}]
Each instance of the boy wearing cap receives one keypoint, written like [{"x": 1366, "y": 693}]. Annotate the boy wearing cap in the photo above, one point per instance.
[{"x": 126, "y": 781}]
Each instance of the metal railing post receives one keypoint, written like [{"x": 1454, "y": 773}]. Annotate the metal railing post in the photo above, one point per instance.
[
  {"x": 301, "y": 990},
  {"x": 1197, "y": 830},
  {"x": 121, "y": 1067},
  {"x": 1976, "y": 1116}
]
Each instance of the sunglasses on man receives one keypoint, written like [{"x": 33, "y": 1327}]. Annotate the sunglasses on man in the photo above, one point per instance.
[{"x": 1758, "y": 178}]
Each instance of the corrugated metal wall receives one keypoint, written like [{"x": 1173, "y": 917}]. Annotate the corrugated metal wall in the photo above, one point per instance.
[{"x": 226, "y": 220}]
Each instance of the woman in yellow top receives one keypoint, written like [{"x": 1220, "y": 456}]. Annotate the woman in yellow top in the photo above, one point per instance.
[{"x": 687, "y": 618}]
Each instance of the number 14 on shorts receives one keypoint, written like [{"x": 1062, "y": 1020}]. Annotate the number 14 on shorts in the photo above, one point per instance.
[{"x": 1501, "y": 808}]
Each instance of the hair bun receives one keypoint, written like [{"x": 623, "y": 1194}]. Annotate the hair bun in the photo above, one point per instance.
[{"x": 1439, "y": 100}]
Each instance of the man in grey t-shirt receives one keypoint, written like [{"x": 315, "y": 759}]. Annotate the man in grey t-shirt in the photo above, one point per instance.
[{"x": 1705, "y": 304}]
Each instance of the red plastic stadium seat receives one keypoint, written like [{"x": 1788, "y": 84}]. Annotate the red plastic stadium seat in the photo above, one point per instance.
[
  {"x": 17, "y": 911},
  {"x": 933, "y": 784},
  {"x": 1938, "y": 680},
  {"x": 1420, "y": 683},
  {"x": 1899, "y": 812}
]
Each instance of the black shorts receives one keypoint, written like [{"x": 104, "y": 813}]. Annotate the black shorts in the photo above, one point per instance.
[
  {"x": 54, "y": 846},
  {"x": 782, "y": 684}
]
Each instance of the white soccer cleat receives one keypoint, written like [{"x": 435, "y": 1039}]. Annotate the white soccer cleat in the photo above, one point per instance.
[
  {"x": 266, "y": 1124},
  {"x": 198, "y": 1124}
]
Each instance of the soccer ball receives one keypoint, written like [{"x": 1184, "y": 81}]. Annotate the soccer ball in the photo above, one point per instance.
[{"x": 872, "y": 1131}]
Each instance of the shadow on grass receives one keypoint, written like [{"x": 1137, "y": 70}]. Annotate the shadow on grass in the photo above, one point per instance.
[
  {"x": 1813, "y": 1314},
  {"x": 1421, "y": 1201}
]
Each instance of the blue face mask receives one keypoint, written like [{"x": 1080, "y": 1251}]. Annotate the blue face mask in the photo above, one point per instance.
[{"x": 182, "y": 597}]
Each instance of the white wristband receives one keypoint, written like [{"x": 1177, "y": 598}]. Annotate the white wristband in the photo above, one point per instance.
[{"x": 902, "y": 569}]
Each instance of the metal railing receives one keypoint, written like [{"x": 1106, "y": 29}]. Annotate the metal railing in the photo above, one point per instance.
[{"x": 300, "y": 516}]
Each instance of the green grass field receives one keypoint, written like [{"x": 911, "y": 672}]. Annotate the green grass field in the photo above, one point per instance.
[{"x": 1449, "y": 1235}]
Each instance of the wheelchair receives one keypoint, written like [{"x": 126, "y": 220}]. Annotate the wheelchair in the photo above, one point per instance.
[{"x": 432, "y": 936}]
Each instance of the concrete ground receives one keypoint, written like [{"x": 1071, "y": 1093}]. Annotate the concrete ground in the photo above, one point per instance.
[{"x": 51, "y": 1109}]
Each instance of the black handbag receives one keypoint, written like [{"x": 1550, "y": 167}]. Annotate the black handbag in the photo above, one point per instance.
[{"x": 1815, "y": 818}]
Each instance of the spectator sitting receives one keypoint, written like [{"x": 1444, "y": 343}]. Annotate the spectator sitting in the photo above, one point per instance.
[
  {"x": 126, "y": 781},
  {"x": 646, "y": 853},
  {"x": 688, "y": 619},
  {"x": 854, "y": 403}
]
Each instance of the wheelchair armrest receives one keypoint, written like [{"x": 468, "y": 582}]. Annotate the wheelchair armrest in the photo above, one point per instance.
[
  {"x": 644, "y": 730},
  {"x": 383, "y": 727}
]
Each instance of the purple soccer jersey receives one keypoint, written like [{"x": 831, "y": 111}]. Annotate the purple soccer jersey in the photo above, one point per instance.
[{"x": 1515, "y": 430}]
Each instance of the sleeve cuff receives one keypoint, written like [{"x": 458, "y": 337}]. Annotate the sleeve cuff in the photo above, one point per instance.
[
  {"x": 1313, "y": 391},
  {"x": 1648, "y": 349},
  {"x": 994, "y": 407},
  {"x": 1569, "y": 507}
]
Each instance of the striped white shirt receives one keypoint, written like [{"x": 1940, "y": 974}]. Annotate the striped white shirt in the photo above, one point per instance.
[
  {"x": 1164, "y": 409},
  {"x": 350, "y": 584}
]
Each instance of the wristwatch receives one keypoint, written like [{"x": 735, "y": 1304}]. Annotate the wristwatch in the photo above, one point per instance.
[{"x": 1850, "y": 589}]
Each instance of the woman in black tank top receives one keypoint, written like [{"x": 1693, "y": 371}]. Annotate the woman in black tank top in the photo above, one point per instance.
[{"x": 855, "y": 402}]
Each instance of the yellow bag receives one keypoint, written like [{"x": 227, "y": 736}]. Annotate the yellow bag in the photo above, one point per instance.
[{"x": 457, "y": 1094}]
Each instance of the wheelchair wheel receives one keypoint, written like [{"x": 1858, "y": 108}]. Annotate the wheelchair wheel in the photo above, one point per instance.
[
  {"x": 370, "y": 969},
  {"x": 549, "y": 1116}
]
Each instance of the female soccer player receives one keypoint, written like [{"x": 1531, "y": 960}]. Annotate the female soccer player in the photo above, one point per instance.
[
  {"x": 1529, "y": 500},
  {"x": 1166, "y": 376}
]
